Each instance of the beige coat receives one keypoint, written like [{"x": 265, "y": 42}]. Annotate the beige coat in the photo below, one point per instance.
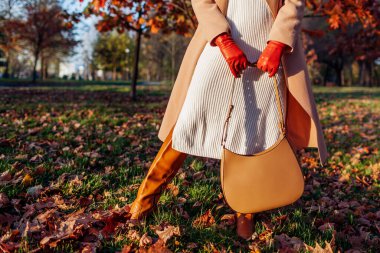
[{"x": 302, "y": 121}]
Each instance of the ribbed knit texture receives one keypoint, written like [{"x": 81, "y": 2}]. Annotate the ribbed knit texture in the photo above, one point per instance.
[{"x": 253, "y": 124}]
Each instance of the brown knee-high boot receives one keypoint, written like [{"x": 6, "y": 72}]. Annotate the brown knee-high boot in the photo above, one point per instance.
[{"x": 163, "y": 169}]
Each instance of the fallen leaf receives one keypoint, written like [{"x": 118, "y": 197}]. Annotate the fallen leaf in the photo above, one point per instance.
[
  {"x": 3, "y": 200},
  {"x": 168, "y": 232},
  {"x": 284, "y": 242},
  {"x": 5, "y": 176},
  {"x": 173, "y": 188},
  {"x": 34, "y": 191},
  {"x": 27, "y": 180},
  {"x": 205, "y": 220},
  {"x": 228, "y": 219},
  {"x": 145, "y": 240}
]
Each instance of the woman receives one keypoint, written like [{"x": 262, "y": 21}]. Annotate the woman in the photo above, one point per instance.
[{"x": 226, "y": 40}]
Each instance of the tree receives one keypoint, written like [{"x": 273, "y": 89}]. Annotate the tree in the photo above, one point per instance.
[
  {"x": 111, "y": 51},
  {"x": 8, "y": 39},
  {"x": 8, "y": 9},
  {"x": 44, "y": 31},
  {"x": 347, "y": 31},
  {"x": 342, "y": 13},
  {"x": 163, "y": 53},
  {"x": 144, "y": 18},
  {"x": 151, "y": 16},
  {"x": 9, "y": 44}
]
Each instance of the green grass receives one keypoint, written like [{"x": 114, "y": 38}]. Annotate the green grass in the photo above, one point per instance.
[{"x": 89, "y": 146}]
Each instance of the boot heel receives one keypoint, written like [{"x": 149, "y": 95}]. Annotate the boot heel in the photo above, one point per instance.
[{"x": 244, "y": 225}]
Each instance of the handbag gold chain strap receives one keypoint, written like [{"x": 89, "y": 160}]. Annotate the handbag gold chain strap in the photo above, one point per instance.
[{"x": 231, "y": 106}]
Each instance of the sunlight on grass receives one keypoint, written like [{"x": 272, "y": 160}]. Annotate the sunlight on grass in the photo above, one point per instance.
[{"x": 90, "y": 147}]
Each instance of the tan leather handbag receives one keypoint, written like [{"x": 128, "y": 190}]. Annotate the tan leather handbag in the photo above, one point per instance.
[{"x": 265, "y": 180}]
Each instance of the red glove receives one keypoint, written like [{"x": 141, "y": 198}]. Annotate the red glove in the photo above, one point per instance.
[
  {"x": 270, "y": 58},
  {"x": 235, "y": 57}
]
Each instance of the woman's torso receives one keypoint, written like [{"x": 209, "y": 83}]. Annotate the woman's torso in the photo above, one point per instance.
[{"x": 253, "y": 122}]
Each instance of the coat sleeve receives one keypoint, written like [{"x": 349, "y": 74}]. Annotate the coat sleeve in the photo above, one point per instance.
[
  {"x": 287, "y": 24},
  {"x": 210, "y": 19}
]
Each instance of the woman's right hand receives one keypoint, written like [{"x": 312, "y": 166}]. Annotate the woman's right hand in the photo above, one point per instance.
[{"x": 235, "y": 57}]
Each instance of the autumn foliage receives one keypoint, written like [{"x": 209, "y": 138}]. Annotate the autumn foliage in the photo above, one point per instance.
[
  {"x": 343, "y": 13},
  {"x": 45, "y": 31},
  {"x": 149, "y": 16},
  {"x": 350, "y": 29},
  {"x": 339, "y": 14}
]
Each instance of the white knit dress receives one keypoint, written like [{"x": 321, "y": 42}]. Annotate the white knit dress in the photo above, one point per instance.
[{"x": 253, "y": 125}]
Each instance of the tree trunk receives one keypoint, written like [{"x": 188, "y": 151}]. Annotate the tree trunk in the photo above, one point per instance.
[
  {"x": 325, "y": 76},
  {"x": 338, "y": 71},
  {"x": 135, "y": 65},
  {"x": 351, "y": 76},
  {"x": 360, "y": 73},
  {"x": 7, "y": 64},
  {"x": 364, "y": 75},
  {"x": 36, "y": 55},
  {"x": 114, "y": 72},
  {"x": 370, "y": 73},
  {"x": 46, "y": 69},
  {"x": 42, "y": 68}
]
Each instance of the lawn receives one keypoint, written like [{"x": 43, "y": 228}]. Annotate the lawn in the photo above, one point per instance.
[{"x": 72, "y": 159}]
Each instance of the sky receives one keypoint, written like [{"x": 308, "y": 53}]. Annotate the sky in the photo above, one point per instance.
[{"x": 86, "y": 32}]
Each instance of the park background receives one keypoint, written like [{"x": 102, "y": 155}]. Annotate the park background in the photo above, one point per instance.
[{"x": 83, "y": 88}]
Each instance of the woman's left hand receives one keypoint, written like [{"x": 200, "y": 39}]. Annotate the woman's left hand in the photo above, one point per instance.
[{"x": 269, "y": 60}]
